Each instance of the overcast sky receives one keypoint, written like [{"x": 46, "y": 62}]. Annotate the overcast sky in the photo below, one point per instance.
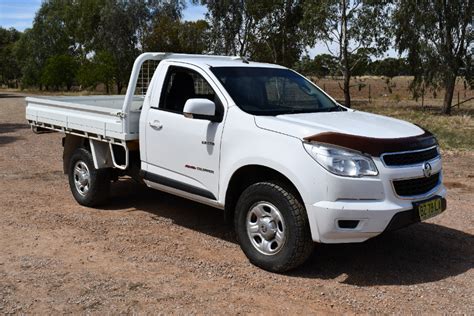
[{"x": 20, "y": 14}]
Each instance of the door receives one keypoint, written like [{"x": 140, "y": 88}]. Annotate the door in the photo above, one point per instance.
[{"x": 183, "y": 153}]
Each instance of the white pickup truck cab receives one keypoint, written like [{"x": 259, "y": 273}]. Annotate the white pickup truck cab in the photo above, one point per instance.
[{"x": 283, "y": 159}]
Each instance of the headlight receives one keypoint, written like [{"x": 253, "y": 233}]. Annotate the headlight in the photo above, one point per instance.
[{"x": 340, "y": 161}]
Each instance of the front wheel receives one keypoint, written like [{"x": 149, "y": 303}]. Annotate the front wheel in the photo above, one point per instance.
[
  {"x": 89, "y": 186},
  {"x": 272, "y": 227}
]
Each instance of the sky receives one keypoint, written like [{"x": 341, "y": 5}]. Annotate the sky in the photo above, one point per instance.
[{"x": 19, "y": 14}]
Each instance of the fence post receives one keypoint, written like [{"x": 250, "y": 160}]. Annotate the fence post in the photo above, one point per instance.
[{"x": 370, "y": 94}]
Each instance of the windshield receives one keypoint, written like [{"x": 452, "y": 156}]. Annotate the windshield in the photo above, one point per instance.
[{"x": 273, "y": 91}]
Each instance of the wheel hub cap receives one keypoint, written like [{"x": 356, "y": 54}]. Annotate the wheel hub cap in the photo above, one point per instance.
[
  {"x": 266, "y": 228},
  {"x": 81, "y": 177}
]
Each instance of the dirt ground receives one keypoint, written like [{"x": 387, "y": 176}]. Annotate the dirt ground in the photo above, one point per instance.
[{"x": 149, "y": 252}]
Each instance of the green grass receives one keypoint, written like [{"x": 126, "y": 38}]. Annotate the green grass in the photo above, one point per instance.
[{"x": 455, "y": 132}]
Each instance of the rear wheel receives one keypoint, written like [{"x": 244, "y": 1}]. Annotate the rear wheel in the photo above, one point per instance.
[
  {"x": 272, "y": 227},
  {"x": 89, "y": 186}
]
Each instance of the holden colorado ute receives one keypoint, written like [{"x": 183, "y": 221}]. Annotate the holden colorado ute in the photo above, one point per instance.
[{"x": 278, "y": 155}]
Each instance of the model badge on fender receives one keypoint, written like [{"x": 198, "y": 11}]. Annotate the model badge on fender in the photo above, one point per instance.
[
  {"x": 205, "y": 142},
  {"x": 427, "y": 169},
  {"x": 198, "y": 168}
]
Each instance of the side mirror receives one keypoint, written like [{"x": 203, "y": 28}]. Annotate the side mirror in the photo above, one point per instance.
[{"x": 201, "y": 109}]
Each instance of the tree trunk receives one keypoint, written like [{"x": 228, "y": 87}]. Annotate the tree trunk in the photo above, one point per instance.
[
  {"x": 347, "y": 92},
  {"x": 344, "y": 55},
  {"x": 448, "y": 95},
  {"x": 119, "y": 87}
]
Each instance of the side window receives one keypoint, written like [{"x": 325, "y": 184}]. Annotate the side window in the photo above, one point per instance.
[{"x": 182, "y": 84}]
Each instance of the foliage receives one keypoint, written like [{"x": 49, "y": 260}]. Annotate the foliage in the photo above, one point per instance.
[
  {"x": 357, "y": 28},
  {"x": 389, "y": 67},
  {"x": 9, "y": 68},
  {"x": 28, "y": 58},
  {"x": 278, "y": 38},
  {"x": 50, "y": 36},
  {"x": 84, "y": 28},
  {"x": 173, "y": 35},
  {"x": 100, "y": 69},
  {"x": 320, "y": 66},
  {"x": 437, "y": 34},
  {"x": 59, "y": 71},
  {"x": 262, "y": 30}
]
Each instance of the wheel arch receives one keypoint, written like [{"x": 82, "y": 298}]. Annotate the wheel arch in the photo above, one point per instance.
[
  {"x": 248, "y": 175},
  {"x": 70, "y": 144}
]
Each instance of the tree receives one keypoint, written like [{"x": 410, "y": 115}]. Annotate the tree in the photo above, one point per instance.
[
  {"x": 437, "y": 35},
  {"x": 278, "y": 38},
  {"x": 49, "y": 36},
  {"x": 9, "y": 68},
  {"x": 86, "y": 30},
  {"x": 360, "y": 61},
  {"x": 100, "y": 69},
  {"x": 173, "y": 35},
  {"x": 390, "y": 67},
  {"x": 322, "y": 65},
  {"x": 60, "y": 71},
  {"x": 351, "y": 25},
  {"x": 122, "y": 30},
  {"x": 262, "y": 30},
  {"x": 232, "y": 23}
]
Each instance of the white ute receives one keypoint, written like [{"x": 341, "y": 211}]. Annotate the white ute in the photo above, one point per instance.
[{"x": 283, "y": 159}]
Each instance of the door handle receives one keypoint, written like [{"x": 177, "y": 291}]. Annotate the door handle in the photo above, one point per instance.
[{"x": 156, "y": 125}]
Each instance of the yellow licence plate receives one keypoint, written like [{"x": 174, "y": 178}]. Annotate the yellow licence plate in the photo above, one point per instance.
[{"x": 429, "y": 209}]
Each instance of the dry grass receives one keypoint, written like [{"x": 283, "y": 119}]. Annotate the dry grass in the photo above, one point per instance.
[{"x": 454, "y": 133}]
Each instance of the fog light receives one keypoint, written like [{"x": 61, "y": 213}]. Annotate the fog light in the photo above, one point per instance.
[{"x": 347, "y": 224}]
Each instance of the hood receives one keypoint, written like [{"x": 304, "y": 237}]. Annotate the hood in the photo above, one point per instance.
[{"x": 348, "y": 122}]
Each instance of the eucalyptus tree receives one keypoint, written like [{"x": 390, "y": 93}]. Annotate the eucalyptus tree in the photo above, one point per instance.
[
  {"x": 266, "y": 30},
  {"x": 9, "y": 69},
  {"x": 232, "y": 24},
  {"x": 348, "y": 27},
  {"x": 438, "y": 37},
  {"x": 174, "y": 35},
  {"x": 278, "y": 37}
]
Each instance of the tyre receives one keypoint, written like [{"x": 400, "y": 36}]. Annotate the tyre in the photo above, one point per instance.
[
  {"x": 89, "y": 186},
  {"x": 272, "y": 227}
]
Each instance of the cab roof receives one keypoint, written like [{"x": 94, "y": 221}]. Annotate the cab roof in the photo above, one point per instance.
[{"x": 217, "y": 61}]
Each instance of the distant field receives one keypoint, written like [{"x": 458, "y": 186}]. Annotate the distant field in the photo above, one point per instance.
[{"x": 391, "y": 92}]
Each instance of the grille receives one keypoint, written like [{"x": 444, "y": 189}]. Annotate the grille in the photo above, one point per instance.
[
  {"x": 418, "y": 186},
  {"x": 410, "y": 158}
]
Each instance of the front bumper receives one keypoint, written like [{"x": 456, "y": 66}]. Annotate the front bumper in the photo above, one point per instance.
[{"x": 372, "y": 217}]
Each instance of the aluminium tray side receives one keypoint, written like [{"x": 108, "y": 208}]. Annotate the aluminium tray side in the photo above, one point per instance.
[{"x": 100, "y": 120}]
